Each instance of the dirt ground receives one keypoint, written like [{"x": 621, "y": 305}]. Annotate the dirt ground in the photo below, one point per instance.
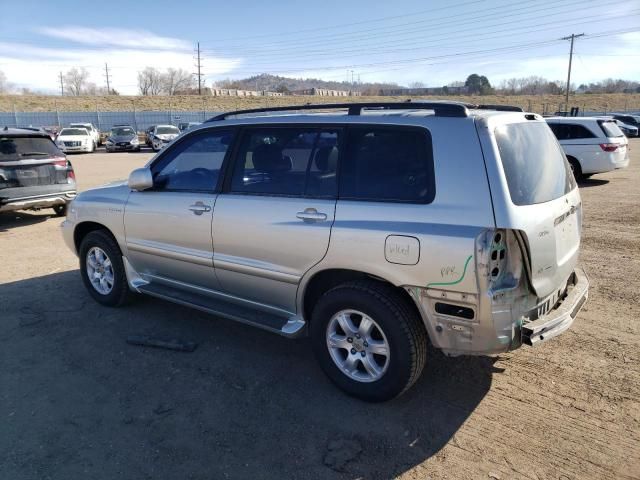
[{"x": 76, "y": 401}]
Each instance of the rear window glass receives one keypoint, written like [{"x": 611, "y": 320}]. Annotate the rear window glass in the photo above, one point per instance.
[
  {"x": 388, "y": 164},
  {"x": 536, "y": 169},
  {"x": 17, "y": 148},
  {"x": 610, "y": 128}
]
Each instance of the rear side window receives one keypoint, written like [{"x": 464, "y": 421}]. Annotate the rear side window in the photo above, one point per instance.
[
  {"x": 536, "y": 169},
  {"x": 17, "y": 148},
  {"x": 610, "y": 128},
  {"x": 388, "y": 164},
  {"x": 568, "y": 131},
  {"x": 287, "y": 161}
]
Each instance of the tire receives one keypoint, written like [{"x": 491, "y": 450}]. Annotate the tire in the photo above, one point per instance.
[
  {"x": 576, "y": 168},
  {"x": 396, "y": 325},
  {"x": 60, "y": 210},
  {"x": 119, "y": 293}
]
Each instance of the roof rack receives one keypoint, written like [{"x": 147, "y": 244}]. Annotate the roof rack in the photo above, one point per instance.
[
  {"x": 499, "y": 108},
  {"x": 441, "y": 109}
]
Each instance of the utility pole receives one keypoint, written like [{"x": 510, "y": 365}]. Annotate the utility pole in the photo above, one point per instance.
[
  {"x": 106, "y": 74},
  {"x": 572, "y": 37},
  {"x": 61, "y": 86},
  {"x": 199, "y": 74}
]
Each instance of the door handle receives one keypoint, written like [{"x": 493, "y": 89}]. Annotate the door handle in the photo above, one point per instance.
[
  {"x": 311, "y": 215},
  {"x": 199, "y": 208}
]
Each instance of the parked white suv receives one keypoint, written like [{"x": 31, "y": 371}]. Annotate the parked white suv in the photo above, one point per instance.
[
  {"x": 592, "y": 145},
  {"x": 372, "y": 231},
  {"x": 93, "y": 131}
]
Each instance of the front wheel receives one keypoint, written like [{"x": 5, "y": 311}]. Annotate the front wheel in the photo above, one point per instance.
[
  {"x": 102, "y": 269},
  {"x": 368, "y": 340}
]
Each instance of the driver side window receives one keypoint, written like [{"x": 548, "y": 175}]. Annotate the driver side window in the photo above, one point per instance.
[{"x": 193, "y": 164}]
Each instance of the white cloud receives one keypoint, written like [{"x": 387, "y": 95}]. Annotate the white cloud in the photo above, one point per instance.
[
  {"x": 38, "y": 67},
  {"x": 119, "y": 37}
]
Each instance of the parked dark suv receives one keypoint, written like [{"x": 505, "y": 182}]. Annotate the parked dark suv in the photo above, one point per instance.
[{"x": 34, "y": 173}]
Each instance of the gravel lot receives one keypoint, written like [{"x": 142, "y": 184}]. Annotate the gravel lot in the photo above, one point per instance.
[{"x": 76, "y": 401}]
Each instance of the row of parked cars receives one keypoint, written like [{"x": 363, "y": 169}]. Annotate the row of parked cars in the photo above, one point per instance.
[{"x": 85, "y": 137}]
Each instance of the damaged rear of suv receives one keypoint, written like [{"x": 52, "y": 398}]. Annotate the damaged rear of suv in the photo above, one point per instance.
[{"x": 374, "y": 231}]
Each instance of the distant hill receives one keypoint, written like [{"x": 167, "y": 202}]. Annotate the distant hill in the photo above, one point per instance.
[{"x": 274, "y": 83}]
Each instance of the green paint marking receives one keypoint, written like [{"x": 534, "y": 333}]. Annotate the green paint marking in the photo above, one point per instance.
[{"x": 464, "y": 271}]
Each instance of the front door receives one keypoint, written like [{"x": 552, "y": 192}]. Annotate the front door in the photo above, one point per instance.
[
  {"x": 274, "y": 219},
  {"x": 168, "y": 228}
]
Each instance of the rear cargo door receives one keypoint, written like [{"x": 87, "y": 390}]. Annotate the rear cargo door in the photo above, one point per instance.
[
  {"x": 536, "y": 194},
  {"x": 30, "y": 161}
]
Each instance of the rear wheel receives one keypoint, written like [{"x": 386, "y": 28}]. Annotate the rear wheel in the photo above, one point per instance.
[
  {"x": 576, "y": 168},
  {"x": 368, "y": 340},
  {"x": 102, "y": 269}
]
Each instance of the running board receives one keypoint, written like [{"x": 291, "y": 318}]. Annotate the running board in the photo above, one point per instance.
[{"x": 288, "y": 327}]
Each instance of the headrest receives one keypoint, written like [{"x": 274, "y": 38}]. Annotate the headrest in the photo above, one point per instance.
[
  {"x": 268, "y": 158},
  {"x": 326, "y": 159}
]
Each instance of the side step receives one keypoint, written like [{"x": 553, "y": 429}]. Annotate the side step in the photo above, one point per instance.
[{"x": 288, "y": 327}]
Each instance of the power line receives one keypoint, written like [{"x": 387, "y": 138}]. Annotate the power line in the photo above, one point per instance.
[
  {"x": 572, "y": 37},
  {"x": 433, "y": 24}
]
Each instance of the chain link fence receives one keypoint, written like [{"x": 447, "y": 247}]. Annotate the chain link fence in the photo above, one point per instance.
[{"x": 103, "y": 121}]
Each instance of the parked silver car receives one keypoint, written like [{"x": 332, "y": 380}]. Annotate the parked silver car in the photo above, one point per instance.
[{"x": 373, "y": 231}]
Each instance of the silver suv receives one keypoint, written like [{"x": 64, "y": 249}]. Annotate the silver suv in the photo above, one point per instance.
[{"x": 375, "y": 230}]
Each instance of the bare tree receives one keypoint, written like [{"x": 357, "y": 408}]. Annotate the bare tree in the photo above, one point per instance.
[
  {"x": 150, "y": 81},
  {"x": 416, "y": 85},
  {"x": 176, "y": 81},
  {"x": 76, "y": 81}
]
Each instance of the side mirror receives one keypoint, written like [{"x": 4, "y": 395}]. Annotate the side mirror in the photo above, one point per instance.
[{"x": 140, "y": 179}]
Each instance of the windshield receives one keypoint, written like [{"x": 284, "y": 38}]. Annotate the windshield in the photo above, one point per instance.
[
  {"x": 536, "y": 169},
  {"x": 119, "y": 132},
  {"x": 166, "y": 130},
  {"x": 17, "y": 148},
  {"x": 610, "y": 128},
  {"x": 73, "y": 131}
]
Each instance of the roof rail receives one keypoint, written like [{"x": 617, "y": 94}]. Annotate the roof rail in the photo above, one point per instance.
[
  {"x": 441, "y": 109},
  {"x": 500, "y": 108}
]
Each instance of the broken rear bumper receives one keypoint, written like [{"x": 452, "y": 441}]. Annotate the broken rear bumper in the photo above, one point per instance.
[{"x": 560, "y": 318}]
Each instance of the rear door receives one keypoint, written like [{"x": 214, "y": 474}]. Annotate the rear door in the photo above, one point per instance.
[
  {"x": 273, "y": 220},
  {"x": 535, "y": 193}
]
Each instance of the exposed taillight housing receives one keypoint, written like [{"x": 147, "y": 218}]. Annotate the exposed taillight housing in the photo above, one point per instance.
[{"x": 609, "y": 147}]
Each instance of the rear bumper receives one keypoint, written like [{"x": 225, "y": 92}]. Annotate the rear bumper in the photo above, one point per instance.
[
  {"x": 37, "y": 201},
  {"x": 559, "y": 319}
]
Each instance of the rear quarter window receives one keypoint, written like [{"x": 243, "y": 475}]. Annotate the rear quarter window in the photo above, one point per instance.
[
  {"x": 388, "y": 164},
  {"x": 534, "y": 164},
  {"x": 610, "y": 128}
]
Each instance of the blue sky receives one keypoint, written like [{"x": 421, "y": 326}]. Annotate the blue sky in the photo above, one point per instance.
[{"x": 433, "y": 42}]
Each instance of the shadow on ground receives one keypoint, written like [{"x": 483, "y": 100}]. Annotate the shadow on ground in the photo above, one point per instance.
[
  {"x": 78, "y": 402},
  {"x": 592, "y": 182},
  {"x": 10, "y": 220}
]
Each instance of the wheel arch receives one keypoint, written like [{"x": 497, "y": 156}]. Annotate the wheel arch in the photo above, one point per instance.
[
  {"x": 324, "y": 280},
  {"x": 85, "y": 228}
]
